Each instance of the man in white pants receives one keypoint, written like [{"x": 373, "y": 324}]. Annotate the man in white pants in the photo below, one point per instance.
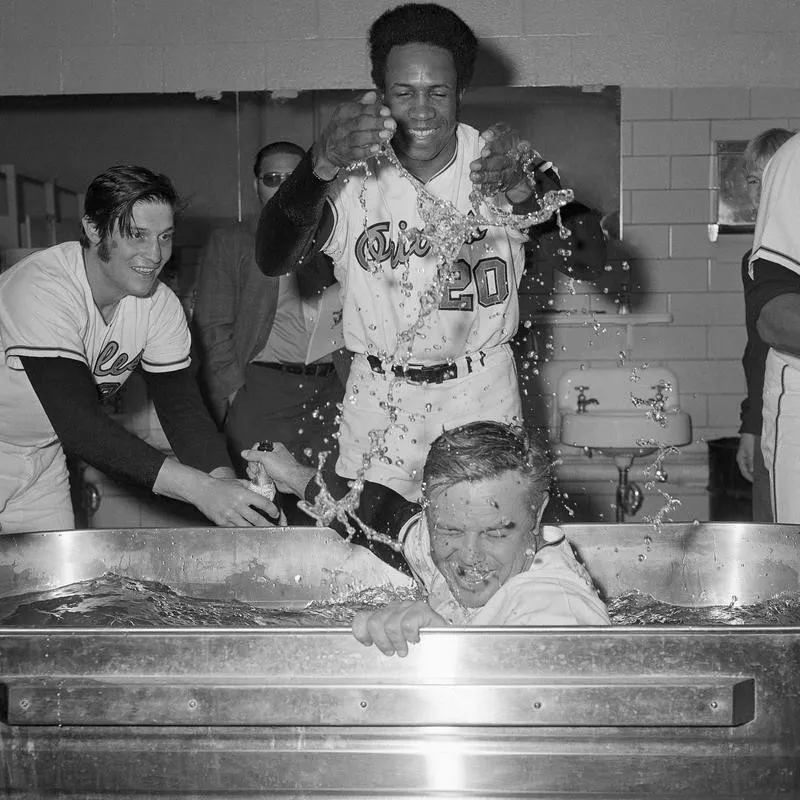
[
  {"x": 415, "y": 371},
  {"x": 775, "y": 293}
]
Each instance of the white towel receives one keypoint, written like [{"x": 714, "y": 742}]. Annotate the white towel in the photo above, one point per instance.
[{"x": 777, "y": 234}]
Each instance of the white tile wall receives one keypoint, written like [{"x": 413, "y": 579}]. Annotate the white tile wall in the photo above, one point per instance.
[
  {"x": 646, "y": 172},
  {"x": 704, "y": 104},
  {"x": 636, "y": 43},
  {"x": 667, "y": 172}
]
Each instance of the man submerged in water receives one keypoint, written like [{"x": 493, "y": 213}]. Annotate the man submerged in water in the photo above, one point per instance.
[{"x": 476, "y": 545}]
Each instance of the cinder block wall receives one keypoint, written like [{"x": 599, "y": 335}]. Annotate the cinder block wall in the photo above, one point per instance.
[
  {"x": 691, "y": 72},
  {"x": 94, "y": 46}
]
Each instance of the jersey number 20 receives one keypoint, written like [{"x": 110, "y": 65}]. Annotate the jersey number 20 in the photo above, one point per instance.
[{"x": 491, "y": 284}]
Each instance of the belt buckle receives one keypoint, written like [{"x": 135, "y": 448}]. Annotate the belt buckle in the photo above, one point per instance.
[
  {"x": 417, "y": 373},
  {"x": 414, "y": 374},
  {"x": 438, "y": 374},
  {"x": 445, "y": 373}
]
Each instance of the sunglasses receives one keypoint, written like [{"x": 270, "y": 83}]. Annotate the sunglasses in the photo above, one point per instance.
[{"x": 273, "y": 179}]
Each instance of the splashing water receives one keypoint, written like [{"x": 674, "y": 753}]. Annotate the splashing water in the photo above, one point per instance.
[
  {"x": 112, "y": 600},
  {"x": 654, "y": 471},
  {"x": 445, "y": 229},
  {"x": 637, "y": 608},
  {"x": 670, "y": 504}
]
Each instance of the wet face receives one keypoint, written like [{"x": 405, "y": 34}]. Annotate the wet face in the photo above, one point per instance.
[
  {"x": 420, "y": 91},
  {"x": 272, "y": 172},
  {"x": 482, "y": 534},
  {"x": 121, "y": 265}
]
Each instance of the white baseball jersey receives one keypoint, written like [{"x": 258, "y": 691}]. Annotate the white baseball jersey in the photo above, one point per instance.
[
  {"x": 479, "y": 309},
  {"x": 47, "y": 309}
]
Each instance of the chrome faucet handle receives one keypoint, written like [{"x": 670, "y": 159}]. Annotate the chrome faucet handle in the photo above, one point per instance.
[
  {"x": 583, "y": 400},
  {"x": 659, "y": 389}
]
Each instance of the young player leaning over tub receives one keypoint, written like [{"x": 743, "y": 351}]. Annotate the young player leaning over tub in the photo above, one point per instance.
[
  {"x": 76, "y": 320},
  {"x": 476, "y": 544}
]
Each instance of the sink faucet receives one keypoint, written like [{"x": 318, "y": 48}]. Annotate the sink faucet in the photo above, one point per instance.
[
  {"x": 583, "y": 400},
  {"x": 659, "y": 401}
]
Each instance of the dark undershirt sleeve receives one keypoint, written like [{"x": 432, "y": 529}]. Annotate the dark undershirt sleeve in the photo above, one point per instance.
[
  {"x": 381, "y": 508},
  {"x": 315, "y": 276},
  {"x": 295, "y": 223},
  {"x": 192, "y": 434},
  {"x": 69, "y": 397},
  {"x": 770, "y": 280}
]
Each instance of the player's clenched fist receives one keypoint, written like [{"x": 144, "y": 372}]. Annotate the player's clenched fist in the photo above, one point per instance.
[{"x": 356, "y": 131}]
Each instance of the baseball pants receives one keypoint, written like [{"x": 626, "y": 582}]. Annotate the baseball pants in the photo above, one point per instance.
[
  {"x": 780, "y": 434},
  {"x": 395, "y": 420},
  {"x": 34, "y": 489}
]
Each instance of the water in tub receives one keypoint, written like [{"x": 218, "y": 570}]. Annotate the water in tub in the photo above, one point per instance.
[{"x": 116, "y": 601}]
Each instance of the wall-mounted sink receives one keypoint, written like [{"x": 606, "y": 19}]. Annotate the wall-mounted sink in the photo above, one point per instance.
[
  {"x": 622, "y": 411},
  {"x": 618, "y": 432}
]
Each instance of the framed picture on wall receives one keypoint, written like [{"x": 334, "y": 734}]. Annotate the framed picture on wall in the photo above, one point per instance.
[{"x": 735, "y": 212}]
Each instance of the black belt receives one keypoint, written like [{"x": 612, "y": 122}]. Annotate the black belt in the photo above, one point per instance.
[
  {"x": 434, "y": 374},
  {"x": 320, "y": 370}
]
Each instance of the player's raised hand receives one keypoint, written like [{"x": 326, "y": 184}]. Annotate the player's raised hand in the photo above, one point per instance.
[
  {"x": 357, "y": 130},
  {"x": 499, "y": 168}
]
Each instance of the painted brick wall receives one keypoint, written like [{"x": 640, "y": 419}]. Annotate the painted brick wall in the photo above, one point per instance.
[
  {"x": 93, "y": 46},
  {"x": 667, "y": 169},
  {"x": 668, "y": 137}
]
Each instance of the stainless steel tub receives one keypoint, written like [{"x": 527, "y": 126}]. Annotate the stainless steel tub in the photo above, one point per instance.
[{"x": 646, "y": 712}]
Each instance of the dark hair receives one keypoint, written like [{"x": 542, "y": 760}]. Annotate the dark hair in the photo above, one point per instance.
[
  {"x": 275, "y": 147},
  {"x": 481, "y": 451},
  {"x": 426, "y": 23},
  {"x": 763, "y": 146},
  {"x": 112, "y": 195}
]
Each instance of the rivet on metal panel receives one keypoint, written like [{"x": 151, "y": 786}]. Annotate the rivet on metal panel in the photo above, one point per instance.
[
  {"x": 713, "y": 704},
  {"x": 24, "y": 703},
  {"x": 537, "y": 705},
  {"x": 363, "y": 704},
  {"x": 192, "y": 704}
]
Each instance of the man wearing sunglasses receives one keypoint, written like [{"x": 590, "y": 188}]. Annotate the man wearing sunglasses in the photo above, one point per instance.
[{"x": 254, "y": 333}]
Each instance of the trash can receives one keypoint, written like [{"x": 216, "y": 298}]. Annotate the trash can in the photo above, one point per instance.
[{"x": 730, "y": 494}]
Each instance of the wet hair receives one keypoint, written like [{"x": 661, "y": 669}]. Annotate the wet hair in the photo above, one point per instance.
[
  {"x": 763, "y": 146},
  {"x": 482, "y": 451},
  {"x": 275, "y": 147},
  {"x": 423, "y": 23},
  {"x": 112, "y": 195}
]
